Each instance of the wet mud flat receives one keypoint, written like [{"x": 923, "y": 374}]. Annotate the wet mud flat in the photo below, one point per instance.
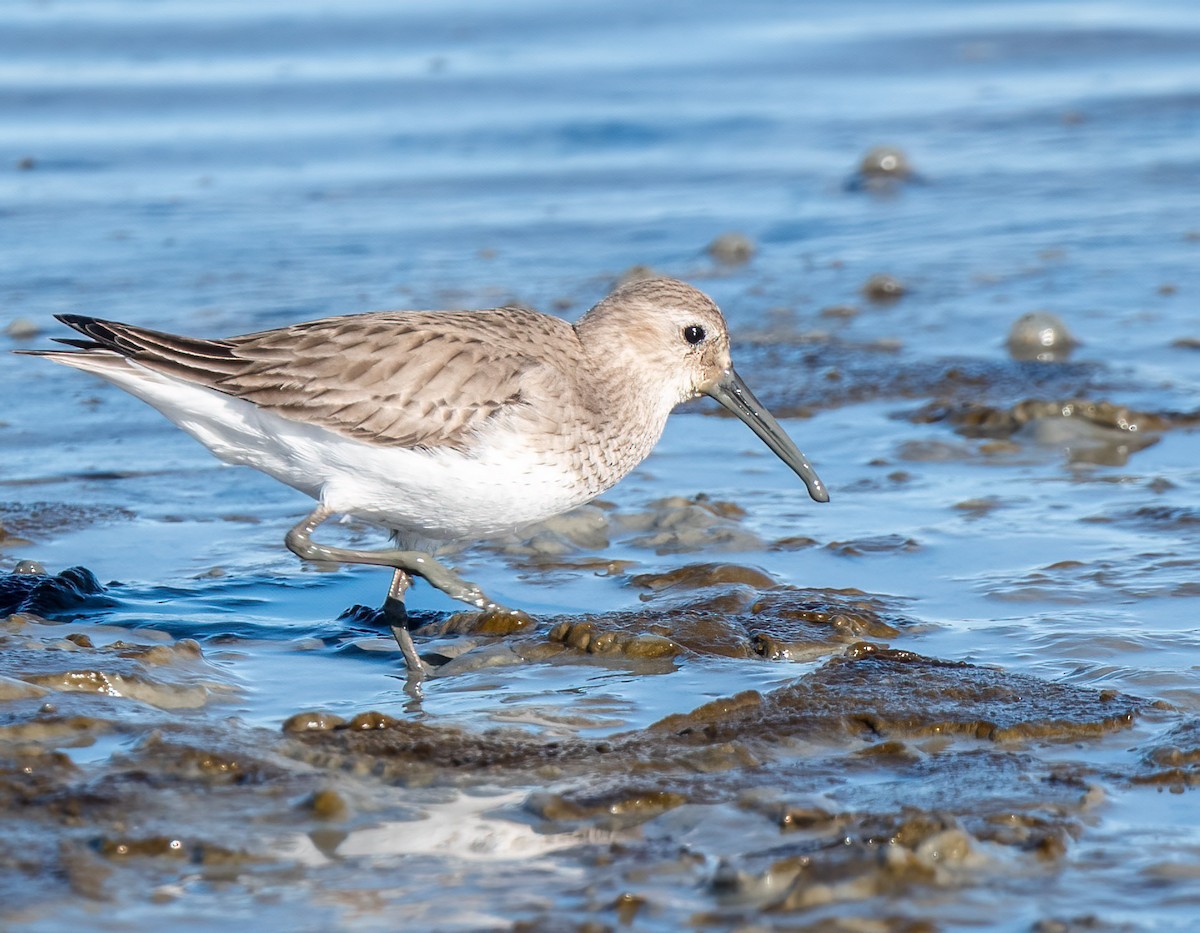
[{"x": 869, "y": 785}]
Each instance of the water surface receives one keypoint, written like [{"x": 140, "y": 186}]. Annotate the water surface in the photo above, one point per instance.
[{"x": 214, "y": 168}]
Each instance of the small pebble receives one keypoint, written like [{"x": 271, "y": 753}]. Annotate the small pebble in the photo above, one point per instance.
[
  {"x": 364, "y": 722},
  {"x": 628, "y": 904},
  {"x": 327, "y": 804},
  {"x": 1040, "y": 336},
  {"x": 732, "y": 248},
  {"x": 638, "y": 273},
  {"x": 312, "y": 721},
  {"x": 885, "y": 162},
  {"x": 881, "y": 288},
  {"x": 22, "y": 328}
]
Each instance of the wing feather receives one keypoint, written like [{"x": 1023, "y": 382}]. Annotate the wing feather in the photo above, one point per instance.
[{"x": 405, "y": 378}]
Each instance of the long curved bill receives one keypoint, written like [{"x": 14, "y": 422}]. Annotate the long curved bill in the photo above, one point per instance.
[{"x": 735, "y": 395}]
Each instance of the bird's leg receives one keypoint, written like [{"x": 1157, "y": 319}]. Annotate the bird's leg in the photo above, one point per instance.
[
  {"x": 413, "y": 563},
  {"x": 395, "y": 615},
  {"x": 394, "y": 612}
]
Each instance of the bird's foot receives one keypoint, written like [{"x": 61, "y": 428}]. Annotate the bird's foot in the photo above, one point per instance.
[{"x": 418, "y": 668}]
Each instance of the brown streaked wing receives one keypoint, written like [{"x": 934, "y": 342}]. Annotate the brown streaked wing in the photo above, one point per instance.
[
  {"x": 404, "y": 378},
  {"x": 409, "y": 379}
]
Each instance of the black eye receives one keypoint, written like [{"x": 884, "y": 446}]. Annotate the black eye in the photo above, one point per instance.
[{"x": 693, "y": 333}]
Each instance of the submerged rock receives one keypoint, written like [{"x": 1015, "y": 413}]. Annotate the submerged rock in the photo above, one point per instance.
[
  {"x": 1174, "y": 759},
  {"x": 802, "y": 624},
  {"x": 13, "y": 689},
  {"x": 699, "y": 576},
  {"x": 43, "y": 594},
  {"x": 728, "y": 619},
  {"x": 171, "y": 847},
  {"x": 636, "y": 646},
  {"x": 872, "y": 692},
  {"x": 617, "y": 809},
  {"x": 84, "y": 871},
  {"x": 677, "y": 525},
  {"x": 493, "y": 623},
  {"x": 873, "y": 856},
  {"x": 50, "y": 729},
  {"x": 134, "y": 686},
  {"x": 873, "y": 544},
  {"x": 403, "y": 749},
  {"x": 38, "y": 520},
  {"x": 1090, "y": 432},
  {"x": 976, "y": 420}
]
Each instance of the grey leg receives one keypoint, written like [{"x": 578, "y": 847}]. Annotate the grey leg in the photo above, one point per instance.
[
  {"x": 406, "y": 564},
  {"x": 393, "y": 606},
  {"x": 396, "y": 617},
  {"x": 416, "y": 563}
]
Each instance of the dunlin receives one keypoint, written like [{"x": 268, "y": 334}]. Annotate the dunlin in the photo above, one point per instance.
[{"x": 440, "y": 426}]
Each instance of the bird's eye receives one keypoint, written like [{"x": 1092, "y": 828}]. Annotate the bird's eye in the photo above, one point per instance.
[{"x": 693, "y": 333}]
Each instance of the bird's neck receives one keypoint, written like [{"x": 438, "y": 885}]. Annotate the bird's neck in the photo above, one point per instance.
[{"x": 627, "y": 412}]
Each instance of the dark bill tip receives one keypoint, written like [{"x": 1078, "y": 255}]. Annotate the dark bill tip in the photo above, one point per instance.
[{"x": 736, "y": 396}]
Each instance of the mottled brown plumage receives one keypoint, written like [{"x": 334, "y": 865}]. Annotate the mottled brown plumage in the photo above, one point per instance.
[{"x": 407, "y": 378}]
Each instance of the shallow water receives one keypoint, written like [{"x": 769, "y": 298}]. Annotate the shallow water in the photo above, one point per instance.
[{"x": 224, "y": 167}]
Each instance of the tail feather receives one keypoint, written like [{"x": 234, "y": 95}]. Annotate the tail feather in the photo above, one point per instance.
[
  {"x": 109, "y": 342},
  {"x": 96, "y": 360},
  {"x": 130, "y": 340},
  {"x": 79, "y": 344}
]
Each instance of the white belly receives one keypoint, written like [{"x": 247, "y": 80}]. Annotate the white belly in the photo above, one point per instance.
[{"x": 438, "y": 495}]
